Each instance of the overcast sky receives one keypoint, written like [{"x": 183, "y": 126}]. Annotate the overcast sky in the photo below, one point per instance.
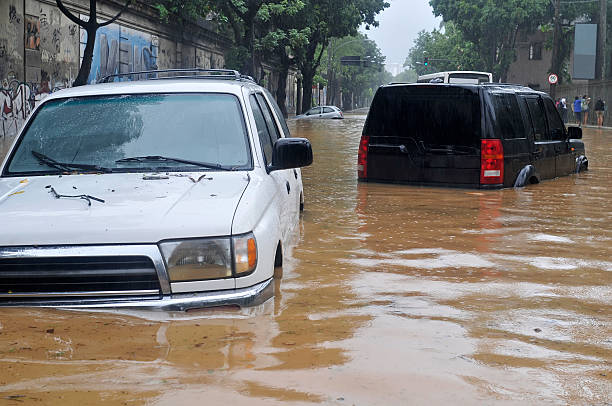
[{"x": 399, "y": 26}]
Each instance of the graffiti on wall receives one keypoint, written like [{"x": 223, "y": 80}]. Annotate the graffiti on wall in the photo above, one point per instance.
[
  {"x": 16, "y": 103},
  {"x": 120, "y": 49}
]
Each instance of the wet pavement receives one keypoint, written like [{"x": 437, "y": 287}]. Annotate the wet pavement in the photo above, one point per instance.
[{"x": 393, "y": 295}]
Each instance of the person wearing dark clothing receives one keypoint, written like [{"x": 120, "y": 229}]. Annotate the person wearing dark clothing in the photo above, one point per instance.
[
  {"x": 578, "y": 110},
  {"x": 600, "y": 107}
]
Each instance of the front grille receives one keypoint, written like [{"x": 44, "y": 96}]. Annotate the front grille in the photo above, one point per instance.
[{"x": 77, "y": 276}]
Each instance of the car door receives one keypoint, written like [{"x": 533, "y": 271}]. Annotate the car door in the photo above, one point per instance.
[
  {"x": 328, "y": 112},
  {"x": 564, "y": 156},
  {"x": 542, "y": 148},
  {"x": 268, "y": 134}
]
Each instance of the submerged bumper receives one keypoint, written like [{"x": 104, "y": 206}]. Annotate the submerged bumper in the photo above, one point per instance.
[{"x": 244, "y": 297}]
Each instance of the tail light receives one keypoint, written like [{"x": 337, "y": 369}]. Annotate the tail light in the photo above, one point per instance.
[
  {"x": 362, "y": 157},
  {"x": 491, "y": 162}
]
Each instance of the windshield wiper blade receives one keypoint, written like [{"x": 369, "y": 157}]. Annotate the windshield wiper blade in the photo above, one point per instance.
[
  {"x": 159, "y": 158},
  {"x": 65, "y": 166}
]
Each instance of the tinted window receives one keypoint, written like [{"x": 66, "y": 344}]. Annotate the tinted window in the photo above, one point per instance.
[
  {"x": 328, "y": 110},
  {"x": 538, "y": 119},
  {"x": 267, "y": 113},
  {"x": 279, "y": 114},
  {"x": 427, "y": 114},
  {"x": 507, "y": 116},
  {"x": 314, "y": 110},
  {"x": 103, "y": 129},
  {"x": 262, "y": 129},
  {"x": 555, "y": 125}
]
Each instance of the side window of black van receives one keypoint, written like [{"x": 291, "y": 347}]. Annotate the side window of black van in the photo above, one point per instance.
[
  {"x": 508, "y": 119},
  {"x": 555, "y": 125},
  {"x": 538, "y": 118}
]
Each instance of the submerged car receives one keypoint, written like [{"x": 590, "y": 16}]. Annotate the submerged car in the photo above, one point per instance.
[
  {"x": 322, "y": 112},
  {"x": 169, "y": 194},
  {"x": 486, "y": 135}
]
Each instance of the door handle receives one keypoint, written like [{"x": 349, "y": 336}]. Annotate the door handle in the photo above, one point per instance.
[{"x": 288, "y": 186}]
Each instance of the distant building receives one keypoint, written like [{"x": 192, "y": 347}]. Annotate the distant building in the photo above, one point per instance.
[
  {"x": 395, "y": 68},
  {"x": 532, "y": 62}
]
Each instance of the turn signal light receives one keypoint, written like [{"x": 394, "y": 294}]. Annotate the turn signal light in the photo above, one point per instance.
[
  {"x": 362, "y": 157},
  {"x": 491, "y": 162}
]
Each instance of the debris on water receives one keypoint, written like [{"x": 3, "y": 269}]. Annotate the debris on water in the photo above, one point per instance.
[{"x": 50, "y": 330}]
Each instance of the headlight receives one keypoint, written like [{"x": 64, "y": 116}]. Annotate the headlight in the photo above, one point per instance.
[{"x": 209, "y": 258}]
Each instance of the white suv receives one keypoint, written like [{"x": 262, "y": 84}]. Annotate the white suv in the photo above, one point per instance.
[{"x": 170, "y": 194}]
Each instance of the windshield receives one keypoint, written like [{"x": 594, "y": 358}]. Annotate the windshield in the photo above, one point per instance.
[
  {"x": 429, "y": 115},
  {"x": 87, "y": 133}
]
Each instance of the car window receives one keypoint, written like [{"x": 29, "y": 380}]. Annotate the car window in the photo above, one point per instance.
[
  {"x": 508, "y": 119},
  {"x": 425, "y": 116},
  {"x": 555, "y": 125},
  {"x": 312, "y": 111},
  {"x": 328, "y": 110},
  {"x": 538, "y": 119},
  {"x": 100, "y": 130},
  {"x": 279, "y": 114},
  {"x": 262, "y": 129},
  {"x": 267, "y": 113}
]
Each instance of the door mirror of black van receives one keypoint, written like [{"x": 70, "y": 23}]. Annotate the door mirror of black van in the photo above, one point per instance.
[
  {"x": 291, "y": 153},
  {"x": 574, "y": 133}
]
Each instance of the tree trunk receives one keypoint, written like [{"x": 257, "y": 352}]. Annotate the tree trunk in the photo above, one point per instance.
[
  {"x": 307, "y": 93},
  {"x": 85, "y": 68},
  {"x": 281, "y": 91},
  {"x": 298, "y": 95}
]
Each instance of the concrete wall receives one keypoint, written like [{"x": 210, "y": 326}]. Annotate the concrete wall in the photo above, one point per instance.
[{"x": 41, "y": 51}]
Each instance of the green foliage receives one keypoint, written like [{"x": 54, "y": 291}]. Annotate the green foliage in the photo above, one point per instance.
[
  {"x": 446, "y": 49},
  {"x": 407, "y": 76},
  {"x": 492, "y": 26}
]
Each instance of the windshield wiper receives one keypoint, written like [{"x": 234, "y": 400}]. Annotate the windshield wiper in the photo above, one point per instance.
[
  {"x": 159, "y": 158},
  {"x": 65, "y": 166}
]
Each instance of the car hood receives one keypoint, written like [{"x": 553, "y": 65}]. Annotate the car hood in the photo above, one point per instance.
[{"x": 137, "y": 208}]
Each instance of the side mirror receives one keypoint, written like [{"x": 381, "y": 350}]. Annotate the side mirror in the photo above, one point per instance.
[
  {"x": 574, "y": 133},
  {"x": 291, "y": 153}
]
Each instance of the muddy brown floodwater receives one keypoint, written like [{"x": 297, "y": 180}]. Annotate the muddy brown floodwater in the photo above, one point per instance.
[{"x": 393, "y": 295}]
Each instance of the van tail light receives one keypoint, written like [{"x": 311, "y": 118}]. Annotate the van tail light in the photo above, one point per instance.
[
  {"x": 491, "y": 162},
  {"x": 362, "y": 157}
]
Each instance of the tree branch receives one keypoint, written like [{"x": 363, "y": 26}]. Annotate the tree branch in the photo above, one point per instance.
[
  {"x": 112, "y": 20},
  {"x": 70, "y": 16}
]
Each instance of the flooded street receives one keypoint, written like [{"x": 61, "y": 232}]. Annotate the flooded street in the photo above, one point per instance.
[{"x": 392, "y": 295}]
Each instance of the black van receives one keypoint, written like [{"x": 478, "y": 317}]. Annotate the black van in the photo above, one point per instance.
[{"x": 477, "y": 136}]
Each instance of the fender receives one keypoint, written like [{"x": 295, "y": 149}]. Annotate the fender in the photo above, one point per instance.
[
  {"x": 582, "y": 163},
  {"x": 527, "y": 175}
]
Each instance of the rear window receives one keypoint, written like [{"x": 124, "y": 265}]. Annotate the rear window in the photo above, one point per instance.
[{"x": 429, "y": 115}]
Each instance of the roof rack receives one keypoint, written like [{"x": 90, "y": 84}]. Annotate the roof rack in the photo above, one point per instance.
[
  {"x": 197, "y": 73},
  {"x": 512, "y": 85}
]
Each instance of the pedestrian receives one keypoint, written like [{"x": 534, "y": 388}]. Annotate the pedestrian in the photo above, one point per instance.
[
  {"x": 600, "y": 107},
  {"x": 586, "y": 100},
  {"x": 563, "y": 105},
  {"x": 578, "y": 110}
]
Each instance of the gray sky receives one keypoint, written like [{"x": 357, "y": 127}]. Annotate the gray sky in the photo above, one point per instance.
[{"x": 399, "y": 26}]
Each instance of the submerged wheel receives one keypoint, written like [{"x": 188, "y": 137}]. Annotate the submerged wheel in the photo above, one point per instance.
[{"x": 278, "y": 262}]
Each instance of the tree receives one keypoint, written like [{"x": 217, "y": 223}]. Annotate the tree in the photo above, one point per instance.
[
  {"x": 91, "y": 27},
  {"x": 327, "y": 19},
  {"x": 493, "y": 25},
  {"x": 446, "y": 49}
]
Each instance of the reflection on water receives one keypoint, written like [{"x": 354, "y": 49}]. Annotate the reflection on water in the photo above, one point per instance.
[{"x": 392, "y": 293}]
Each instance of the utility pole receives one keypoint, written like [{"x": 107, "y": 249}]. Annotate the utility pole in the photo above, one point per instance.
[
  {"x": 601, "y": 43},
  {"x": 555, "y": 68}
]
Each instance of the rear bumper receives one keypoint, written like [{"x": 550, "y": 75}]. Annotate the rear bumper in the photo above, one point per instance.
[
  {"x": 435, "y": 184},
  {"x": 245, "y": 297}
]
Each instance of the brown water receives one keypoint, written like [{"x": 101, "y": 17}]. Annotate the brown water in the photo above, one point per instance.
[{"x": 393, "y": 295}]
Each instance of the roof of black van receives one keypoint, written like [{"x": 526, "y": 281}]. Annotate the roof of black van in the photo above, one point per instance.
[{"x": 489, "y": 86}]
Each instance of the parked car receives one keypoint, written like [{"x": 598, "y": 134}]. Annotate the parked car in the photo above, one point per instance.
[
  {"x": 475, "y": 136},
  {"x": 322, "y": 112},
  {"x": 168, "y": 194}
]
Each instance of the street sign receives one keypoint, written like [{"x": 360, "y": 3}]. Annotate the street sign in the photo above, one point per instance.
[{"x": 553, "y": 79}]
